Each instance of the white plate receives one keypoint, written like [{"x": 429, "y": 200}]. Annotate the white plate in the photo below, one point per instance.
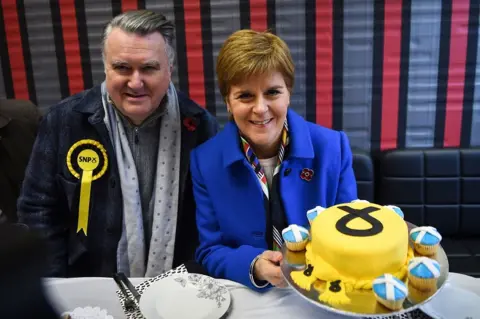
[
  {"x": 453, "y": 303},
  {"x": 88, "y": 312},
  {"x": 191, "y": 296}
]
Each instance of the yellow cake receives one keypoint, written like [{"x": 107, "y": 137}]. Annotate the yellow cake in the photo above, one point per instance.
[{"x": 350, "y": 245}]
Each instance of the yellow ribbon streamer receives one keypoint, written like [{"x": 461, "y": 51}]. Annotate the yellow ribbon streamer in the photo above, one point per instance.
[
  {"x": 84, "y": 206},
  {"x": 87, "y": 160}
]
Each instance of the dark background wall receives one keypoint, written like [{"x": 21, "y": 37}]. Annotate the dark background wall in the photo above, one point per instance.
[{"x": 392, "y": 74}]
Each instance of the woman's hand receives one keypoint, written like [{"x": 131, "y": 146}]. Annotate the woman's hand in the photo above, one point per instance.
[{"x": 267, "y": 268}]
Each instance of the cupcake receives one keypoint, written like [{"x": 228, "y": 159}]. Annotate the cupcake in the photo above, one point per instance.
[
  {"x": 312, "y": 213},
  {"x": 426, "y": 240},
  {"x": 295, "y": 237},
  {"x": 417, "y": 296},
  {"x": 360, "y": 201},
  {"x": 295, "y": 259},
  {"x": 423, "y": 273},
  {"x": 397, "y": 210},
  {"x": 390, "y": 291}
]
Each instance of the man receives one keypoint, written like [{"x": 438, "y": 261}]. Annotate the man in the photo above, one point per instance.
[
  {"x": 108, "y": 183},
  {"x": 19, "y": 121}
]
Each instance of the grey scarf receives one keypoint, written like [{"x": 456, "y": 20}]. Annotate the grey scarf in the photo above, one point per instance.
[{"x": 131, "y": 248}]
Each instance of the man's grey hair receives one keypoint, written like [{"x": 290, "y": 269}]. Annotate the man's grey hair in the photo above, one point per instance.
[{"x": 143, "y": 22}]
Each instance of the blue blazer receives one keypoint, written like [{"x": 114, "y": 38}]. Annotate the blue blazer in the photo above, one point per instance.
[{"x": 230, "y": 206}]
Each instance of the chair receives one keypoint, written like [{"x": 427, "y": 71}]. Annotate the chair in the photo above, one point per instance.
[{"x": 363, "y": 169}]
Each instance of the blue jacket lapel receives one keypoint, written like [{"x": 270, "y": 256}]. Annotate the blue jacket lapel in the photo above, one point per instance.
[
  {"x": 232, "y": 152},
  {"x": 300, "y": 145}
]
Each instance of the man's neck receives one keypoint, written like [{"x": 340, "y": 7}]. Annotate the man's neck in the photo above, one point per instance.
[{"x": 157, "y": 113}]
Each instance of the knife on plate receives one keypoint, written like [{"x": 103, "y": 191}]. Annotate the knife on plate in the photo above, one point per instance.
[{"x": 129, "y": 286}]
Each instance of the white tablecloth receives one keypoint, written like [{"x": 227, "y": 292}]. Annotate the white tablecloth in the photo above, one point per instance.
[{"x": 67, "y": 294}]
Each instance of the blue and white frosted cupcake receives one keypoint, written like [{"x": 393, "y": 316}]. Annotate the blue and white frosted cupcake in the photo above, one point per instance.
[
  {"x": 312, "y": 213},
  {"x": 423, "y": 273},
  {"x": 426, "y": 240},
  {"x": 295, "y": 237},
  {"x": 397, "y": 210},
  {"x": 390, "y": 291}
]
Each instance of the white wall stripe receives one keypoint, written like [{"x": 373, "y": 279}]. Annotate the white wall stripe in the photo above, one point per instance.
[
  {"x": 42, "y": 50},
  {"x": 423, "y": 73}
]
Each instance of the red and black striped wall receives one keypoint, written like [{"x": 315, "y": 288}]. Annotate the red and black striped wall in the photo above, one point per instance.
[{"x": 391, "y": 74}]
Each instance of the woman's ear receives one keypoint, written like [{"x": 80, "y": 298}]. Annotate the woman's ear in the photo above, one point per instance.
[
  {"x": 230, "y": 115},
  {"x": 229, "y": 110}
]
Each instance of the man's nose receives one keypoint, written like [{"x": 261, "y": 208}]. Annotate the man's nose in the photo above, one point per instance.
[{"x": 135, "y": 82}]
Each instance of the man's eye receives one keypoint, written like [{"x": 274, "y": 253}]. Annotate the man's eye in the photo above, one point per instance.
[
  {"x": 149, "y": 68},
  {"x": 121, "y": 68}
]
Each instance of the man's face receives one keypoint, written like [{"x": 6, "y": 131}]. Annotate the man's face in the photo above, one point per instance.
[{"x": 137, "y": 72}]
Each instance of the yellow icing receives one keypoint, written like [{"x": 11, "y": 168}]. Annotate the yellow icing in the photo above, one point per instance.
[
  {"x": 360, "y": 301},
  {"x": 360, "y": 257},
  {"x": 301, "y": 280}
]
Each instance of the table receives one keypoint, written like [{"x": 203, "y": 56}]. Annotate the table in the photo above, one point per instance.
[{"x": 67, "y": 294}]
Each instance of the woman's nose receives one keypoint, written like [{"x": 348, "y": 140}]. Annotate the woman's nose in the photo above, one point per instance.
[{"x": 260, "y": 106}]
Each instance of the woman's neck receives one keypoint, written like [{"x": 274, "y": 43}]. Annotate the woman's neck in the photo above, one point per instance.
[{"x": 266, "y": 151}]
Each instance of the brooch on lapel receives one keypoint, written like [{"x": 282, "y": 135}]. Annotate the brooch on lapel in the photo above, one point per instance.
[
  {"x": 306, "y": 174},
  {"x": 190, "y": 124}
]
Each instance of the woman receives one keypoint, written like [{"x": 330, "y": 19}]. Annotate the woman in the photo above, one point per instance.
[{"x": 265, "y": 169}]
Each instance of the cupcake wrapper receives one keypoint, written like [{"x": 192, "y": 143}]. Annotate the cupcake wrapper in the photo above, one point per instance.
[
  {"x": 417, "y": 296},
  {"x": 422, "y": 284},
  {"x": 295, "y": 258},
  {"x": 297, "y": 246},
  {"x": 426, "y": 250},
  {"x": 391, "y": 304}
]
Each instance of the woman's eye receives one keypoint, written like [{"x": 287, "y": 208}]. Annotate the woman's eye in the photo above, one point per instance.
[
  {"x": 244, "y": 96},
  {"x": 273, "y": 92}
]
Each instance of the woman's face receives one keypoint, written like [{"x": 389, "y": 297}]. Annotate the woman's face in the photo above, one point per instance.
[{"x": 259, "y": 108}]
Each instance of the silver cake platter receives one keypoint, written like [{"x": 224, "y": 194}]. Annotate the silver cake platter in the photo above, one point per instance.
[{"x": 363, "y": 303}]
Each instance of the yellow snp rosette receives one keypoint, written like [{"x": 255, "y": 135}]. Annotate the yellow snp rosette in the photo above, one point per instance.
[{"x": 88, "y": 156}]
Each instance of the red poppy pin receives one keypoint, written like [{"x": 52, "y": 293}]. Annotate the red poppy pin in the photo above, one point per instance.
[
  {"x": 306, "y": 174},
  {"x": 190, "y": 124}
]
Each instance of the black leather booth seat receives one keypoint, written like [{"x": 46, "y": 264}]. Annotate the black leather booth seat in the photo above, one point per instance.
[
  {"x": 364, "y": 174},
  {"x": 440, "y": 188}
]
